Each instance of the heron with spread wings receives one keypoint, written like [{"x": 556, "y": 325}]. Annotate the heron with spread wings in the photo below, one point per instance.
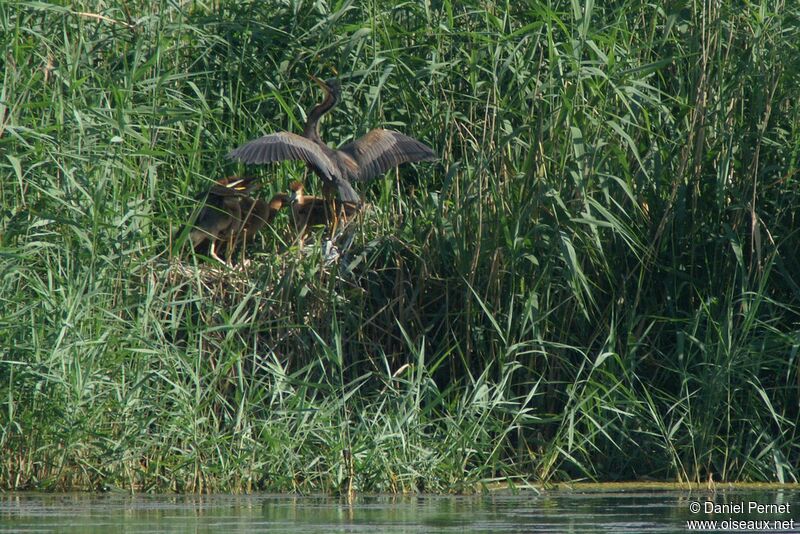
[{"x": 363, "y": 159}]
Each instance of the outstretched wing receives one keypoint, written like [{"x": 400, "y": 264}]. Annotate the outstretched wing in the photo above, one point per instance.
[
  {"x": 380, "y": 150},
  {"x": 284, "y": 146}
]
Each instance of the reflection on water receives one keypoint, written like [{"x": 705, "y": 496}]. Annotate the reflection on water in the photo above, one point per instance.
[{"x": 559, "y": 511}]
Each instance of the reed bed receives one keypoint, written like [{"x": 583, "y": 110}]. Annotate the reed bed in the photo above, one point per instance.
[{"x": 597, "y": 281}]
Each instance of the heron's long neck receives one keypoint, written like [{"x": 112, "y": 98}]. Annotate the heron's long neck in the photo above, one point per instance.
[{"x": 311, "y": 131}]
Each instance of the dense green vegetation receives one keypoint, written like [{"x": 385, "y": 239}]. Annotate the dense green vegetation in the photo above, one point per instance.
[{"x": 597, "y": 281}]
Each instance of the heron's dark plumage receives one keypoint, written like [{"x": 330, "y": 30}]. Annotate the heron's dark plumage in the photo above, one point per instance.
[
  {"x": 228, "y": 214},
  {"x": 363, "y": 159}
]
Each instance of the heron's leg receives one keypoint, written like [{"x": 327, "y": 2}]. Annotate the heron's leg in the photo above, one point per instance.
[
  {"x": 229, "y": 248},
  {"x": 330, "y": 212},
  {"x": 213, "y": 253},
  {"x": 329, "y": 192},
  {"x": 334, "y": 218},
  {"x": 343, "y": 214},
  {"x": 243, "y": 241},
  {"x": 299, "y": 228}
]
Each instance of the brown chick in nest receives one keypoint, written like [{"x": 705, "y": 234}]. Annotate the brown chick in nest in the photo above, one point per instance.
[
  {"x": 220, "y": 212},
  {"x": 229, "y": 215},
  {"x": 257, "y": 213},
  {"x": 309, "y": 211}
]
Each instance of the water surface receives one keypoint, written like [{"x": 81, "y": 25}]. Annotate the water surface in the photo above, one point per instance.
[{"x": 529, "y": 511}]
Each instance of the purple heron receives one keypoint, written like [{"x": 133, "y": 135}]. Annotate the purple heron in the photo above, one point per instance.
[
  {"x": 309, "y": 211},
  {"x": 228, "y": 213},
  {"x": 257, "y": 213},
  {"x": 360, "y": 160}
]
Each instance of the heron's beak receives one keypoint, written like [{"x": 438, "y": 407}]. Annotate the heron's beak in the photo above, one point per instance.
[
  {"x": 242, "y": 185},
  {"x": 237, "y": 185},
  {"x": 319, "y": 82},
  {"x": 293, "y": 197}
]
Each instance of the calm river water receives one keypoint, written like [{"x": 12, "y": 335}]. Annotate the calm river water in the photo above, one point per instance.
[{"x": 551, "y": 511}]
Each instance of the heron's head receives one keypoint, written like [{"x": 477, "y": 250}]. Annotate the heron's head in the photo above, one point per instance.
[
  {"x": 296, "y": 188},
  {"x": 244, "y": 184},
  {"x": 279, "y": 201},
  {"x": 331, "y": 86}
]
